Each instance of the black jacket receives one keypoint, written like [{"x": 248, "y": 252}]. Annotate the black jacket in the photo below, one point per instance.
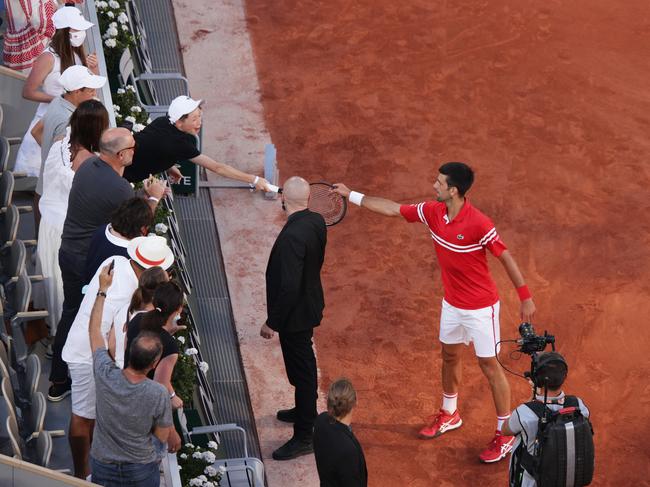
[
  {"x": 339, "y": 457},
  {"x": 294, "y": 294}
]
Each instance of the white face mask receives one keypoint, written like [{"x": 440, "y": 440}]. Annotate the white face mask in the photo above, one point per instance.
[{"x": 77, "y": 38}]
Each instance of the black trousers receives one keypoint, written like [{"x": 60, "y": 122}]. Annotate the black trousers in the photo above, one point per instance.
[
  {"x": 300, "y": 363},
  {"x": 72, "y": 272}
]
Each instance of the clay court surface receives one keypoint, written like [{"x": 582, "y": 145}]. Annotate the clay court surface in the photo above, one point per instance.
[{"x": 549, "y": 102}]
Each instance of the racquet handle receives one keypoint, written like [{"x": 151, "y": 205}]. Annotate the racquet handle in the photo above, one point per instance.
[{"x": 273, "y": 188}]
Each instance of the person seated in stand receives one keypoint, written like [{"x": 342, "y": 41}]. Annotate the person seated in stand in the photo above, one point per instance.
[
  {"x": 132, "y": 409},
  {"x": 168, "y": 140},
  {"x": 339, "y": 456}
]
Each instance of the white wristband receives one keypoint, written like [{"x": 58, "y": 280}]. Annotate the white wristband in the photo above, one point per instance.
[
  {"x": 153, "y": 198},
  {"x": 356, "y": 197}
]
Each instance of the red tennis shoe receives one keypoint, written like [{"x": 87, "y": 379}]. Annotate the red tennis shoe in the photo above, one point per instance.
[
  {"x": 441, "y": 423},
  {"x": 498, "y": 448}
]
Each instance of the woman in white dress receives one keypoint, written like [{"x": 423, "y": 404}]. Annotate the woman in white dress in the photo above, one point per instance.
[
  {"x": 42, "y": 85},
  {"x": 81, "y": 141}
]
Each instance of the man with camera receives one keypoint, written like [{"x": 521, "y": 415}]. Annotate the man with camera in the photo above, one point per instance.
[{"x": 535, "y": 458}]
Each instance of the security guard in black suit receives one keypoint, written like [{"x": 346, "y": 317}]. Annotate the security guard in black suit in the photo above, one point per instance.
[{"x": 294, "y": 297}]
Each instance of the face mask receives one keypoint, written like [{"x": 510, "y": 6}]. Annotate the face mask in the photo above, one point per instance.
[
  {"x": 77, "y": 38},
  {"x": 177, "y": 318}
]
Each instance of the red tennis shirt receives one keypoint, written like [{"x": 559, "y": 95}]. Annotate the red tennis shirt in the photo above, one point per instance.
[{"x": 460, "y": 246}]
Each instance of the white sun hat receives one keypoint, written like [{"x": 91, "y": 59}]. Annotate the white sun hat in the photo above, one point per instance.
[
  {"x": 70, "y": 17},
  {"x": 151, "y": 251},
  {"x": 77, "y": 77},
  {"x": 180, "y": 106}
]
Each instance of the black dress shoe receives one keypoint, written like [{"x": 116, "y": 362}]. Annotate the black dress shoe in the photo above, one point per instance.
[
  {"x": 286, "y": 415},
  {"x": 294, "y": 448}
]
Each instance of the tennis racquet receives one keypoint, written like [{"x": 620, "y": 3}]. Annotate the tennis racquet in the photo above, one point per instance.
[{"x": 323, "y": 200}]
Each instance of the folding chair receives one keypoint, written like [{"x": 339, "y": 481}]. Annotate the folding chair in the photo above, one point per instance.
[
  {"x": 7, "y": 184},
  {"x": 32, "y": 376},
  {"x": 11, "y": 140},
  {"x": 8, "y": 396},
  {"x": 17, "y": 443},
  {"x": 20, "y": 299},
  {"x": 9, "y": 226},
  {"x": 43, "y": 448},
  {"x": 240, "y": 472}
]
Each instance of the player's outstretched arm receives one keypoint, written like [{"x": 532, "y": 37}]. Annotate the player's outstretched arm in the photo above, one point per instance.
[
  {"x": 511, "y": 267},
  {"x": 373, "y": 203},
  {"x": 228, "y": 171}
]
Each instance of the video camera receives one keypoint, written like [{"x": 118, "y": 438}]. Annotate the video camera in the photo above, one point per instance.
[{"x": 531, "y": 343}]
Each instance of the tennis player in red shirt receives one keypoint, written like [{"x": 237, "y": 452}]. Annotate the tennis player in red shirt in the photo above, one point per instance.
[{"x": 470, "y": 309}]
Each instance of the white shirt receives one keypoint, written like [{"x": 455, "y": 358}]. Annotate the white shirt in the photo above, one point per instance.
[
  {"x": 125, "y": 282},
  {"x": 57, "y": 181}
]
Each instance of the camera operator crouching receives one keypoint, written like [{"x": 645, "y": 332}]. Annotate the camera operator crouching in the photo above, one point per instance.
[{"x": 554, "y": 444}]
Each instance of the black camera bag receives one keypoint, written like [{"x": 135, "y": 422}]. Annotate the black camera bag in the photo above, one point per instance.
[{"x": 564, "y": 447}]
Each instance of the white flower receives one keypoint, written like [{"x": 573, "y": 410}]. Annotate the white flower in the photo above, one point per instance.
[
  {"x": 210, "y": 471},
  {"x": 222, "y": 469},
  {"x": 110, "y": 42},
  {"x": 213, "y": 445},
  {"x": 197, "y": 455},
  {"x": 101, "y": 5},
  {"x": 204, "y": 367},
  {"x": 138, "y": 127},
  {"x": 122, "y": 18},
  {"x": 136, "y": 109},
  {"x": 183, "y": 456},
  {"x": 112, "y": 32},
  {"x": 202, "y": 478},
  {"x": 209, "y": 457},
  {"x": 113, "y": 4},
  {"x": 208, "y": 484},
  {"x": 191, "y": 351},
  {"x": 181, "y": 339},
  {"x": 120, "y": 91},
  {"x": 125, "y": 27},
  {"x": 130, "y": 119},
  {"x": 110, "y": 14},
  {"x": 196, "y": 482},
  {"x": 161, "y": 228},
  {"x": 130, "y": 88},
  {"x": 113, "y": 24},
  {"x": 116, "y": 108},
  {"x": 189, "y": 445},
  {"x": 149, "y": 120}
]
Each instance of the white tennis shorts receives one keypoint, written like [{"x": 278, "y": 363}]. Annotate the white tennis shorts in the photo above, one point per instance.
[
  {"x": 479, "y": 326},
  {"x": 83, "y": 390}
]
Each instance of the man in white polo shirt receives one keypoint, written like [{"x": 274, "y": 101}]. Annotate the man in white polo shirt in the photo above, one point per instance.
[{"x": 144, "y": 253}]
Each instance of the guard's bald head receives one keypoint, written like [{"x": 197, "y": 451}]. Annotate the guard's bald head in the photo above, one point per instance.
[
  {"x": 114, "y": 140},
  {"x": 296, "y": 192}
]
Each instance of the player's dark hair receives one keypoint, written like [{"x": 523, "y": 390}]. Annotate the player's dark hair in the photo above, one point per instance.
[
  {"x": 551, "y": 371},
  {"x": 459, "y": 175}
]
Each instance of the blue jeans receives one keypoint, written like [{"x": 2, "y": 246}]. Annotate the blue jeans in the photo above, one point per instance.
[{"x": 125, "y": 474}]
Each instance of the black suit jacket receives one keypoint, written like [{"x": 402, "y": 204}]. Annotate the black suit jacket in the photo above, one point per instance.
[
  {"x": 339, "y": 457},
  {"x": 294, "y": 294}
]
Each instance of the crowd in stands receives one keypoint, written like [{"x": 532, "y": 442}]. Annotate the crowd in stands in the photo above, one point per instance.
[{"x": 113, "y": 308}]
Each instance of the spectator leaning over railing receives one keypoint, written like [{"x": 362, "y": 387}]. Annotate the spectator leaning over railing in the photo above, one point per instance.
[
  {"x": 145, "y": 252},
  {"x": 163, "y": 320},
  {"x": 131, "y": 408},
  {"x": 42, "y": 85},
  {"x": 168, "y": 140},
  {"x": 98, "y": 188},
  {"x": 81, "y": 141}
]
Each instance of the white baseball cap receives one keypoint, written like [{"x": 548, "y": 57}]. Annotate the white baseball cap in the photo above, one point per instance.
[
  {"x": 151, "y": 251},
  {"x": 70, "y": 17},
  {"x": 180, "y": 106},
  {"x": 77, "y": 77}
]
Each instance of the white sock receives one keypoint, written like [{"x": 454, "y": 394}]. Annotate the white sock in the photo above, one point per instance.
[
  {"x": 450, "y": 402},
  {"x": 500, "y": 421}
]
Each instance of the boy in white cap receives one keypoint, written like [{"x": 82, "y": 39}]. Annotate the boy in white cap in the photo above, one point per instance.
[{"x": 168, "y": 140}]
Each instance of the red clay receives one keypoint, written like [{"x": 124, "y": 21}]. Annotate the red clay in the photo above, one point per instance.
[{"x": 549, "y": 102}]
